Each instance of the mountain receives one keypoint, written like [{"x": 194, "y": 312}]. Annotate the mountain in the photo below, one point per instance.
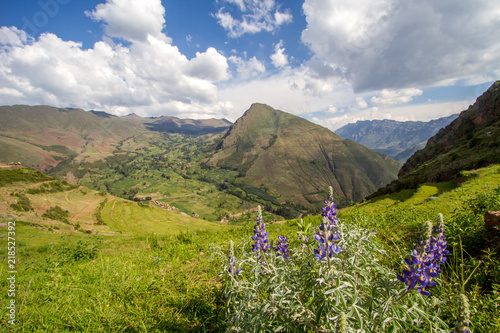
[
  {"x": 398, "y": 139},
  {"x": 295, "y": 160},
  {"x": 43, "y": 136},
  {"x": 188, "y": 126},
  {"x": 471, "y": 141}
]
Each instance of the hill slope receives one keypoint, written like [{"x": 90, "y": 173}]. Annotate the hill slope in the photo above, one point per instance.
[
  {"x": 295, "y": 160},
  {"x": 42, "y": 136},
  {"x": 469, "y": 142},
  {"x": 398, "y": 139},
  {"x": 32, "y": 197}
]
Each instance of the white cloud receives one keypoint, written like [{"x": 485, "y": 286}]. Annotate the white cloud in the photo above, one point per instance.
[
  {"x": 283, "y": 91},
  {"x": 12, "y": 36},
  {"x": 247, "y": 68},
  {"x": 361, "y": 103},
  {"x": 131, "y": 20},
  {"x": 395, "y": 97},
  {"x": 279, "y": 58},
  {"x": 210, "y": 65},
  {"x": 256, "y": 16},
  {"x": 149, "y": 77},
  {"x": 317, "y": 78},
  {"x": 392, "y": 44}
]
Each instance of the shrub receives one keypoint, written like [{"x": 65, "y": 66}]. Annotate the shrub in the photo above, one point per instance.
[
  {"x": 57, "y": 213},
  {"x": 332, "y": 282},
  {"x": 23, "y": 204},
  {"x": 80, "y": 250}
]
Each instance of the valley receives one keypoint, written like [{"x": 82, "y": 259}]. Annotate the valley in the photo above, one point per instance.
[{"x": 132, "y": 234}]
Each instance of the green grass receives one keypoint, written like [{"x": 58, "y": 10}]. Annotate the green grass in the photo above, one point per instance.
[
  {"x": 131, "y": 218},
  {"x": 149, "y": 275}
]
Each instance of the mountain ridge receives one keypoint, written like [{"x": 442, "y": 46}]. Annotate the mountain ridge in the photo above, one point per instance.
[
  {"x": 398, "y": 139},
  {"x": 299, "y": 159},
  {"x": 469, "y": 142},
  {"x": 35, "y": 135}
]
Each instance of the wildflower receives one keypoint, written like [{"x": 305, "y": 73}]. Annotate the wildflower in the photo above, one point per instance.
[
  {"x": 282, "y": 246},
  {"x": 438, "y": 244},
  {"x": 327, "y": 234},
  {"x": 423, "y": 265},
  {"x": 260, "y": 235},
  {"x": 463, "y": 318},
  {"x": 232, "y": 262}
]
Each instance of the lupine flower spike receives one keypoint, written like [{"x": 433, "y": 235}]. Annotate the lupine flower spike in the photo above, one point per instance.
[
  {"x": 282, "y": 246},
  {"x": 463, "y": 318},
  {"x": 341, "y": 324},
  {"x": 327, "y": 233},
  {"x": 232, "y": 262},
  {"x": 260, "y": 234},
  {"x": 427, "y": 256}
]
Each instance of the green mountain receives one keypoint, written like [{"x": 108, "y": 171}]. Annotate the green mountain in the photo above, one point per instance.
[
  {"x": 294, "y": 160},
  {"x": 471, "y": 141},
  {"x": 397, "y": 139},
  {"x": 43, "y": 136}
]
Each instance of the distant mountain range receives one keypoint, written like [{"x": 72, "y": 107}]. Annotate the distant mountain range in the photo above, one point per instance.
[
  {"x": 469, "y": 142},
  {"x": 297, "y": 160},
  {"x": 398, "y": 139}
]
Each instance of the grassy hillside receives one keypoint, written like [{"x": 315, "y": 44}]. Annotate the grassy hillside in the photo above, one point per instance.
[
  {"x": 291, "y": 159},
  {"x": 168, "y": 282},
  {"x": 166, "y": 277},
  {"x": 56, "y": 205},
  {"x": 469, "y": 142}
]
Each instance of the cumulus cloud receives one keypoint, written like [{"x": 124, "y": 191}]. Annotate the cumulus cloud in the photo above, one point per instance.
[
  {"x": 361, "y": 103},
  {"x": 317, "y": 78},
  {"x": 131, "y": 20},
  {"x": 255, "y": 16},
  {"x": 395, "y": 97},
  {"x": 282, "y": 90},
  {"x": 209, "y": 65},
  {"x": 247, "y": 68},
  {"x": 149, "y": 77},
  {"x": 392, "y": 44},
  {"x": 279, "y": 58},
  {"x": 12, "y": 36}
]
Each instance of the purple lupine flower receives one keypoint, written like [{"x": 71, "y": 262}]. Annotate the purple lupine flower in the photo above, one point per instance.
[
  {"x": 438, "y": 244},
  {"x": 282, "y": 246},
  {"x": 260, "y": 235},
  {"x": 426, "y": 258},
  {"x": 327, "y": 233}
]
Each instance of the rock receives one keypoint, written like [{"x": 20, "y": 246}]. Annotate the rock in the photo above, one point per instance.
[{"x": 492, "y": 222}]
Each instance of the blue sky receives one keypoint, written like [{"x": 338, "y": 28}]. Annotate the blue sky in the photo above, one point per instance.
[{"x": 329, "y": 61}]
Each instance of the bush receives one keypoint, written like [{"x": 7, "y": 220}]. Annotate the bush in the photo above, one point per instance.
[
  {"x": 23, "y": 204},
  {"x": 333, "y": 282},
  {"x": 57, "y": 213},
  {"x": 80, "y": 250}
]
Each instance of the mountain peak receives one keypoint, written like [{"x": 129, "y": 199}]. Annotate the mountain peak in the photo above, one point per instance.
[{"x": 298, "y": 159}]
